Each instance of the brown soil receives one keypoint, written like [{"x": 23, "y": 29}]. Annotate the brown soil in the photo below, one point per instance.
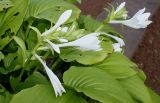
[
  {"x": 147, "y": 56},
  {"x": 93, "y": 7}
]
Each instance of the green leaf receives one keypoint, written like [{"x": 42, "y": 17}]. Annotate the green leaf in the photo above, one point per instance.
[
  {"x": 4, "y": 4},
  {"x": 92, "y": 25},
  {"x": 74, "y": 1},
  {"x": 70, "y": 54},
  {"x": 5, "y": 98},
  {"x": 36, "y": 78},
  {"x": 155, "y": 97},
  {"x": 83, "y": 57},
  {"x": 10, "y": 63},
  {"x": 8, "y": 59},
  {"x": 14, "y": 16},
  {"x": 31, "y": 40},
  {"x": 22, "y": 51},
  {"x": 91, "y": 57},
  {"x": 1, "y": 56},
  {"x": 96, "y": 84},
  {"x": 51, "y": 9},
  {"x": 20, "y": 42},
  {"x": 45, "y": 94},
  {"x": 31, "y": 81},
  {"x": 38, "y": 33},
  {"x": 86, "y": 57},
  {"x": 136, "y": 87},
  {"x": 117, "y": 65},
  {"x": 4, "y": 42},
  {"x": 2, "y": 70}
]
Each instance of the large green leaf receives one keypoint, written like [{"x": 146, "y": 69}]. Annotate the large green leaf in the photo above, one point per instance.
[
  {"x": 92, "y": 25},
  {"x": 155, "y": 97},
  {"x": 51, "y": 9},
  {"x": 136, "y": 87},
  {"x": 86, "y": 57},
  {"x": 83, "y": 57},
  {"x": 4, "y": 4},
  {"x": 91, "y": 57},
  {"x": 117, "y": 65},
  {"x": 96, "y": 84},
  {"x": 36, "y": 78},
  {"x": 22, "y": 52},
  {"x": 11, "y": 63},
  {"x": 20, "y": 42},
  {"x": 1, "y": 56},
  {"x": 74, "y": 1},
  {"x": 45, "y": 94},
  {"x": 9, "y": 58},
  {"x": 4, "y": 42},
  {"x": 14, "y": 16},
  {"x": 32, "y": 80},
  {"x": 5, "y": 98},
  {"x": 2, "y": 70}
]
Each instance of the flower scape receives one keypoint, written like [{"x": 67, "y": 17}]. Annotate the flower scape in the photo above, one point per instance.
[{"x": 52, "y": 54}]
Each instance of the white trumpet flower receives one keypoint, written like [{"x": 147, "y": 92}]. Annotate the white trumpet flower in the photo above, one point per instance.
[
  {"x": 87, "y": 42},
  {"x": 62, "y": 40},
  {"x": 117, "y": 47},
  {"x": 54, "y": 46},
  {"x": 120, "y": 7},
  {"x": 62, "y": 19},
  {"x": 62, "y": 29},
  {"x": 119, "y": 40},
  {"x": 139, "y": 20},
  {"x": 44, "y": 48},
  {"x": 58, "y": 88}
]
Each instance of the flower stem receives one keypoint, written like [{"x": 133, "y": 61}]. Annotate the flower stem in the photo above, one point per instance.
[
  {"x": 30, "y": 21},
  {"x": 53, "y": 67},
  {"x": 99, "y": 28},
  {"x": 45, "y": 56},
  {"x": 28, "y": 59}
]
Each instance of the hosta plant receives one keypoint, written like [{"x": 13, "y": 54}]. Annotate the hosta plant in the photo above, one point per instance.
[{"x": 49, "y": 53}]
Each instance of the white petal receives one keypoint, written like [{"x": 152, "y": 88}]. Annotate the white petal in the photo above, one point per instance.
[
  {"x": 62, "y": 19},
  {"x": 62, "y": 40},
  {"x": 72, "y": 28},
  {"x": 64, "y": 29},
  {"x": 125, "y": 16},
  {"x": 148, "y": 22},
  {"x": 58, "y": 88},
  {"x": 119, "y": 40},
  {"x": 145, "y": 16},
  {"x": 139, "y": 20},
  {"x": 120, "y": 7},
  {"x": 45, "y": 48},
  {"x": 59, "y": 28},
  {"x": 141, "y": 11},
  {"x": 54, "y": 80},
  {"x": 117, "y": 47},
  {"x": 87, "y": 42},
  {"x": 54, "y": 46}
]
